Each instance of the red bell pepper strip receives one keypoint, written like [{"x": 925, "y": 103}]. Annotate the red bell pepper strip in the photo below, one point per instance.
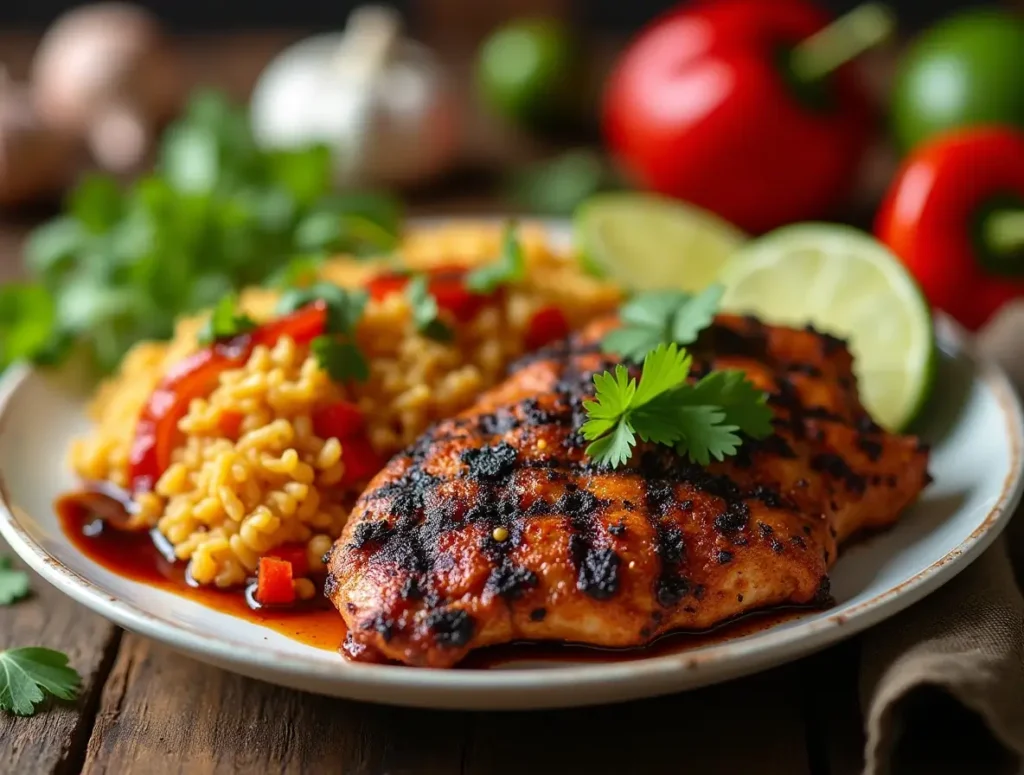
[
  {"x": 345, "y": 422},
  {"x": 156, "y": 432},
  {"x": 360, "y": 458},
  {"x": 743, "y": 107},
  {"x": 274, "y": 582},
  {"x": 338, "y": 420},
  {"x": 954, "y": 214},
  {"x": 547, "y": 325},
  {"x": 447, "y": 284}
]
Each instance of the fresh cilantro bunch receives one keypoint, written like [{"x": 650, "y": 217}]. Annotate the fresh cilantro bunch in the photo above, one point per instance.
[
  {"x": 336, "y": 349},
  {"x": 218, "y": 213},
  {"x": 701, "y": 421},
  {"x": 662, "y": 317}
]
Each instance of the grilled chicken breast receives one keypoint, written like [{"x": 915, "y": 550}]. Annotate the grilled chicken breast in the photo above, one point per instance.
[{"x": 496, "y": 527}]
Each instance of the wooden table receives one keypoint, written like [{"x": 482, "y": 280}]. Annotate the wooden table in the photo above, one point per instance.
[{"x": 145, "y": 709}]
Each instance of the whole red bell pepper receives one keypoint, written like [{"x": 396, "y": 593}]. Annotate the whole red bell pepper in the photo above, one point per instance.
[
  {"x": 955, "y": 214},
  {"x": 745, "y": 107}
]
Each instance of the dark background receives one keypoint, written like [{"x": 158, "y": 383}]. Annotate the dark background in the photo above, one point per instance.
[{"x": 213, "y": 15}]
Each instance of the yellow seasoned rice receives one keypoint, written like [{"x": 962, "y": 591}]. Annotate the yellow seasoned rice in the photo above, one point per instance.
[{"x": 225, "y": 501}]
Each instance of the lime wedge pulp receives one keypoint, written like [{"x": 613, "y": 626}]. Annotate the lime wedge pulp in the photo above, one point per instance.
[
  {"x": 648, "y": 242},
  {"x": 846, "y": 283}
]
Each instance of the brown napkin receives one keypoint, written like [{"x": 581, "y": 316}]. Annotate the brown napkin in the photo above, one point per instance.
[{"x": 942, "y": 684}]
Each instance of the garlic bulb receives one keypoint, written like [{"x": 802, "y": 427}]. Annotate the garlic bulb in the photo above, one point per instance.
[{"x": 381, "y": 102}]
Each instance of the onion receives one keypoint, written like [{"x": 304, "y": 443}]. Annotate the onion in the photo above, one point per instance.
[{"x": 105, "y": 73}]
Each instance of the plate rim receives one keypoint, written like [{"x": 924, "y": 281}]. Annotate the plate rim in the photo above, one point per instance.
[{"x": 644, "y": 677}]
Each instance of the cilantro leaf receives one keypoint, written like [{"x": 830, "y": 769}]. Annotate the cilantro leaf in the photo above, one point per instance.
[
  {"x": 27, "y": 675},
  {"x": 340, "y": 358},
  {"x": 665, "y": 367},
  {"x": 703, "y": 434},
  {"x": 632, "y": 342},
  {"x": 699, "y": 421},
  {"x": 696, "y": 314},
  {"x": 509, "y": 268},
  {"x": 425, "y": 311},
  {"x": 225, "y": 321},
  {"x": 614, "y": 392},
  {"x": 344, "y": 307},
  {"x": 614, "y": 449},
  {"x": 13, "y": 583},
  {"x": 661, "y": 317},
  {"x": 653, "y": 309},
  {"x": 744, "y": 405}
]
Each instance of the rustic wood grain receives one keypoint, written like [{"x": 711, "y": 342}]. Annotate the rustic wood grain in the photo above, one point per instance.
[
  {"x": 163, "y": 713},
  {"x": 54, "y": 740}
]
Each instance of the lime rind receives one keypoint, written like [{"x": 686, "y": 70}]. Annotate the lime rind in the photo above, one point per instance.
[{"x": 844, "y": 282}]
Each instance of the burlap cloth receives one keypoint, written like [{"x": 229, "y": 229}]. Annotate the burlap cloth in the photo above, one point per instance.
[{"x": 942, "y": 684}]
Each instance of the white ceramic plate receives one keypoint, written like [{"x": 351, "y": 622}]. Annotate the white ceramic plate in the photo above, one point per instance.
[{"x": 974, "y": 421}]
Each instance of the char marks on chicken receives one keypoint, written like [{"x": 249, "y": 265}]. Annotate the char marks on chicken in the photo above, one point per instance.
[{"x": 496, "y": 527}]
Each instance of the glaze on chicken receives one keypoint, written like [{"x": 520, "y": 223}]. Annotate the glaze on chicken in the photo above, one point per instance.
[{"x": 496, "y": 527}]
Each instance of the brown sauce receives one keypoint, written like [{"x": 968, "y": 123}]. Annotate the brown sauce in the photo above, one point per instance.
[
  {"x": 666, "y": 645},
  {"x": 88, "y": 518}
]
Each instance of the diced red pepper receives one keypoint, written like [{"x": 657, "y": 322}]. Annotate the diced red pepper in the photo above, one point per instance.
[
  {"x": 230, "y": 424},
  {"x": 293, "y": 554},
  {"x": 274, "y": 582},
  {"x": 338, "y": 420},
  {"x": 546, "y": 326},
  {"x": 360, "y": 458},
  {"x": 447, "y": 284},
  {"x": 156, "y": 433}
]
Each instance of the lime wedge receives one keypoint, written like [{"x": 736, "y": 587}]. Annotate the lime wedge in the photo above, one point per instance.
[
  {"x": 647, "y": 242},
  {"x": 846, "y": 283}
]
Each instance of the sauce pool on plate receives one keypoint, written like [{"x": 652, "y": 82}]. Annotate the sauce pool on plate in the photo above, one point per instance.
[{"x": 89, "y": 518}]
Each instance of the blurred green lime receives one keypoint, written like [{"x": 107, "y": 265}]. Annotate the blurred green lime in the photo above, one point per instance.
[
  {"x": 966, "y": 70},
  {"x": 526, "y": 72}
]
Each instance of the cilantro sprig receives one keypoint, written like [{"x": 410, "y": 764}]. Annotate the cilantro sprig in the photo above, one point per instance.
[
  {"x": 336, "y": 349},
  {"x": 510, "y": 266},
  {"x": 425, "y": 312},
  {"x": 701, "y": 421},
  {"x": 217, "y": 214},
  {"x": 13, "y": 583},
  {"x": 661, "y": 317},
  {"x": 225, "y": 321},
  {"x": 27, "y": 675}
]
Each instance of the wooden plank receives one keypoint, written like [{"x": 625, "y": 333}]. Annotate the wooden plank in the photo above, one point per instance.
[
  {"x": 169, "y": 714},
  {"x": 751, "y": 725},
  {"x": 164, "y": 713},
  {"x": 54, "y": 740}
]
